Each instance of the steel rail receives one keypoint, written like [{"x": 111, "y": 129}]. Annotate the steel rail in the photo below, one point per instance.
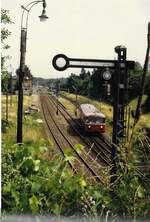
[
  {"x": 52, "y": 133},
  {"x": 79, "y": 156},
  {"x": 86, "y": 140}
]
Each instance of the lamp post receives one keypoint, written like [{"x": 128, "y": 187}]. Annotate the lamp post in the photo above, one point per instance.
[{"x": 23, "y": 39}]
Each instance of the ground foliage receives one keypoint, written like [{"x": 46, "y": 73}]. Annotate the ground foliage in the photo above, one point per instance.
[{"x": 35, "y": 185}]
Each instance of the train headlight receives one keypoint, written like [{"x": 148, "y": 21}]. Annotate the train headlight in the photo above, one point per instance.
[
  {"x": 101, "y": 126},
  {"x": 89, "y": 127}
]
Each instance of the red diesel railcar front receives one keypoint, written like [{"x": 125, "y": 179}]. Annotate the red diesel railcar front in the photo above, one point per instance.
[{"x": 91, "y": 118}]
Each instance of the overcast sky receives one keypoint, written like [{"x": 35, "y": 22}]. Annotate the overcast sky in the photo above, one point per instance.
[{"x": 80, "y": 29}]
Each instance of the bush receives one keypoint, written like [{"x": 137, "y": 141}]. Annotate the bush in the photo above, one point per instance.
[{"x": 33, "y": 185}]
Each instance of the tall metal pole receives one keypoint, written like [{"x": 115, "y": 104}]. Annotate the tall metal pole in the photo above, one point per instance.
[
  {"x": 20, "y": 83},
  {"x": 23, "y": 40},
  {"x": 145, "y": 68}
]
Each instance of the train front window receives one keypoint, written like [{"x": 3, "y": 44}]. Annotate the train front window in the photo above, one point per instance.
[{"x": 94, "y": 120}]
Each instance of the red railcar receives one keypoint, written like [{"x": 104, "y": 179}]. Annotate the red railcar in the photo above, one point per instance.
[{"x": 91, "y": 118}]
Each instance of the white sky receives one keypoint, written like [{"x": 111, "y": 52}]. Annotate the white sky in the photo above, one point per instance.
[{"x": 79, "y": 29}]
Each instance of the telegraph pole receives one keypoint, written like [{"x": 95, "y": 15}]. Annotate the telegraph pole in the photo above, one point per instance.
[{"x": 137, "y": 112}]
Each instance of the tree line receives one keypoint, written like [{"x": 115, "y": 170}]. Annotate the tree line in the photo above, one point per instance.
[{"x": 93, "y": 85}]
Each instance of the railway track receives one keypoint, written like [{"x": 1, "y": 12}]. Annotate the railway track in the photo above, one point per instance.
[
  {"x": 62, "y": 140},
  {"x": 99, "y": 140},
  {"x": 101, "y": 148},
  {"x": 99, "y": 145}
]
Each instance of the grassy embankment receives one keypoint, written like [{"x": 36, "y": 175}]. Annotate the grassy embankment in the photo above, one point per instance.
[
  {"x": 107, "y": 110},
  {"x": 32, "y": 129},
  {"x": 144, "y": 121}
]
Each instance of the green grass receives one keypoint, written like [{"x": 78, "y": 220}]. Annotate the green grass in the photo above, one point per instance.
[
  {"x": 133, "y": 102},
  {"x": 69, "y": 106},
  {"x": 144, "y": 121},
  {"x": 32, "y": 130}
]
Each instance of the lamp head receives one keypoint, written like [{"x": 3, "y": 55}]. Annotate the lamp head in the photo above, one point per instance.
[{"x": 43, "y": 16}]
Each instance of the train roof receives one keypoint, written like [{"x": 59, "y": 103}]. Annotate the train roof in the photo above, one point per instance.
[{"x": 89, "y": 109}]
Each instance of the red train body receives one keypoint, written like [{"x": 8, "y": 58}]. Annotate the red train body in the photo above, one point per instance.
[{"x": 91, "y": 118}]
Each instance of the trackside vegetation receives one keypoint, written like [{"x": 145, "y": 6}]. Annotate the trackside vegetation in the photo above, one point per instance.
[{"x": 36, "y": 180}]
